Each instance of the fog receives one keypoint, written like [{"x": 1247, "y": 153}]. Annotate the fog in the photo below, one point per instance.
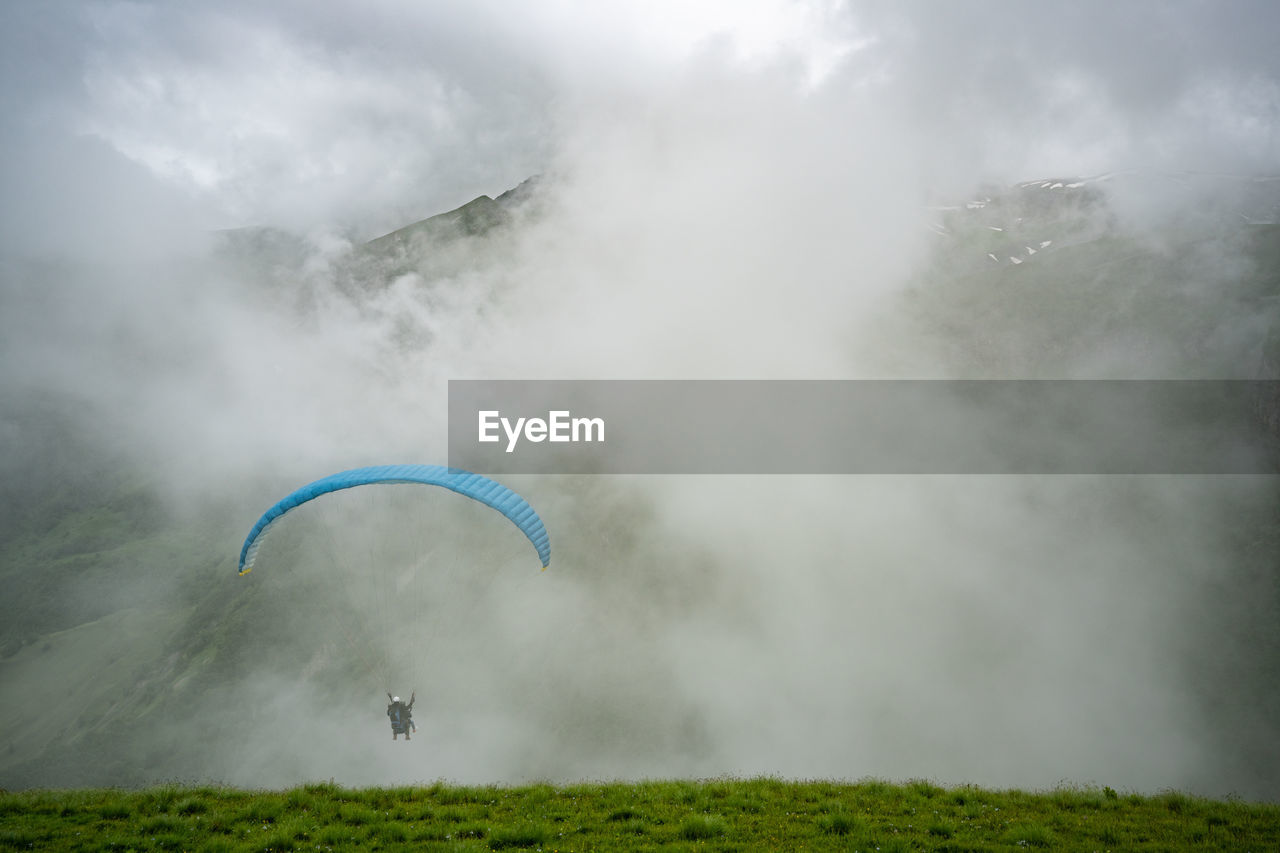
[{"x": 726, "y": 191}]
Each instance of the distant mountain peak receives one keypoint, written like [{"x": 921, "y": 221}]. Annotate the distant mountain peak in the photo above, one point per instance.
[{"x": 473, "y": 219}]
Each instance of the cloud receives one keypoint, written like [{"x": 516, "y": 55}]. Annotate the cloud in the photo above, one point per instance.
[
  {"x": 1086, "y": 86},
  {"x": 732, "y": 190},
  {"x": 385, "y": 112}
]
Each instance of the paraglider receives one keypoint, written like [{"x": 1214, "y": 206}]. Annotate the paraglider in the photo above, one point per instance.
[
  {"x": 466, "y": 483},
  {"x": 401, "y": 716}
]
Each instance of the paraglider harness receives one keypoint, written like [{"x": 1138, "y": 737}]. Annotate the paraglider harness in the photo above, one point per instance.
[{"x": 401, "y": 716}]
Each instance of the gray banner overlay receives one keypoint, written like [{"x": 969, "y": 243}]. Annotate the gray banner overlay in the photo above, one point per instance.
[{"x": 865, "y": 427}]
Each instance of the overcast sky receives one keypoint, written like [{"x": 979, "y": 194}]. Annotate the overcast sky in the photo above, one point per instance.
[{"x": 364, "y": 115}]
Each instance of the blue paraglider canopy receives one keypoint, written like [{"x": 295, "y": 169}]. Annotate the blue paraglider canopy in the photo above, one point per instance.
[{"x": 474, "y": 486}]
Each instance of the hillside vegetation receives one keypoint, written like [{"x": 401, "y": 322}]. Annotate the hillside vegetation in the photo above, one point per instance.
[{"x": 725, "y": 814}]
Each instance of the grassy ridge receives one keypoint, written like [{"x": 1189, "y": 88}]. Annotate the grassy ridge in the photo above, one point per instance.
[{"x": 754, "y": 814}]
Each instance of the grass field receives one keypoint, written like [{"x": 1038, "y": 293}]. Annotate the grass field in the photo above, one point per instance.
[{"x": 751, "y": 814}]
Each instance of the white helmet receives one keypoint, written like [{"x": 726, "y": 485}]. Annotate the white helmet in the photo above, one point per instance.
[{"x": 395, "y": 698}]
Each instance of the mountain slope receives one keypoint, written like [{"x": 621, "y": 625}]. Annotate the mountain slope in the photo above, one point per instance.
[{"x": 130, "y": 653}]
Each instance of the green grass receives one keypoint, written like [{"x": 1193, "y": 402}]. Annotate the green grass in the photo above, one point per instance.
[{"x": 721, "y": 814}]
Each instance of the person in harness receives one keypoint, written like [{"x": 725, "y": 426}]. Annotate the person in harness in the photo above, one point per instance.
[{"x": 401, "y": 716}]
